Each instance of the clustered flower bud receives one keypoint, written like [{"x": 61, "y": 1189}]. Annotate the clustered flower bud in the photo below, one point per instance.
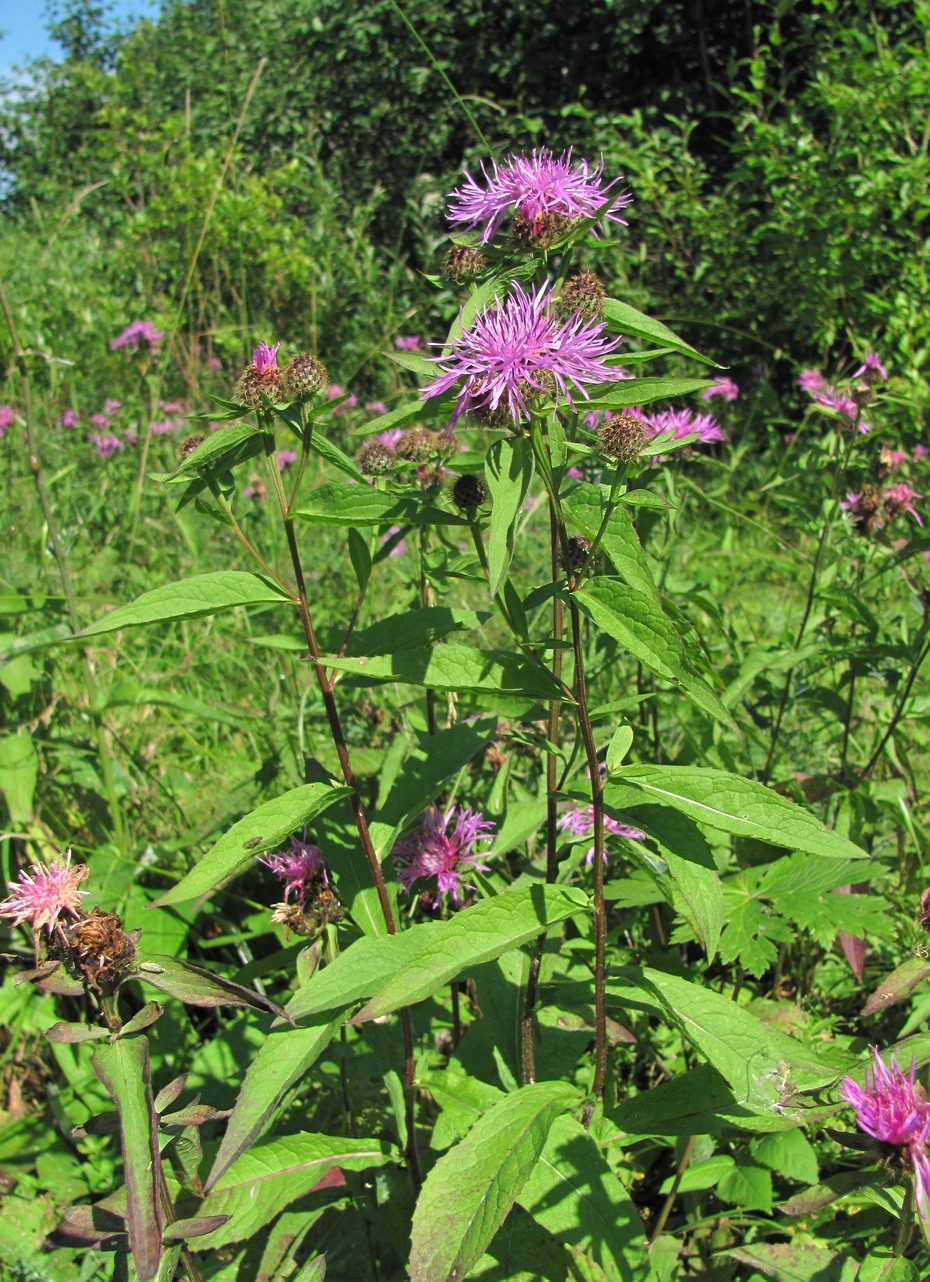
[
  {"x": 189, "y": 444},
  {"x": 99, "y": 948},
  {"x": 462, "y": 264},
  {"x": 469, "y": 492},
  {"x": 583, "y": 294},
  {"x": 303, "y": 377},
  {"x": 575, "y": 552},
  {"x": 375, "y": 459},
  {"x": 418, "y": 444},
  {"x": 260, "y": 380},
  {"x": 623, "y": 437}
]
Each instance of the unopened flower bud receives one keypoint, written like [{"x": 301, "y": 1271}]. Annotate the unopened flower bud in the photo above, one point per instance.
[
  {"x": 583, "y": 294},
  {"x": 462, "y": 264},
  {"x": 623, "y": 437},
  {"x": 303, "y": 377},
  {"x": 375, "y": 459},
  {"x": 469, "y": 492},
  {"x": 189, "y": 444},
  {"x": 259, "y": 381},
  {"x": 418, "y": 444},
  {"x": 539, "y": 233},
  {"x": 575, "y": 552}
]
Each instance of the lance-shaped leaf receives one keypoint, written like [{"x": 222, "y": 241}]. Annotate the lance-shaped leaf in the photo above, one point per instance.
[
  {"x": 894, "y": 987},
  {"x": 197, "y": 987},
  {"x": 261, "y": 830},
  {"x": 641, "y": 626},
  {"x": 730, "y": 803},
  {"x": 409, "y": 966},
  {"x": 573, "y": 1193},
  {"x": 470, "y": 1190},
  {"x": 470, "y": 938},
  {"x": 74, "y": 1033},
  {"x": 180, "y": 1230},
  {"x": 353, "y": 505},
  {"x": 282, "y": 1059},
  {"x": 586, "y": 506},
  {"x": 621, "y": 318},
  {"x": 219, "y": 453},
  {"x": 509, "y": 473},
  {"x": 276, "y": 1172},
  {"x": 459, "y": 668},
  {"x": 411, "y": 629},
  {"x": 123, "y": 1068},
  {"x": 642, "y": 391},
  {"x": 193, "y": 598}
]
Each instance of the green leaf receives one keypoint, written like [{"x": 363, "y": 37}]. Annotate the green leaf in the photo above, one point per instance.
[
  {"x": 424, "y": 958},
  {"x": 790, "y": 1153},
  {"x": 467, "y": 939},
  {"x": 626, "y": 320},
  {"x": 574, "y": 1193},
  {"x": 281, "y": 1061},
  {"x": 586, "y": 506},
  {"x": 192, "y": 598},
  {"x": 748, "y": 1186},
  {"x": 509, "y": 473},
  {"x": 335, "y": 503},
  {"x": 458, "y": 668},
  {"x": 620, "y": 744},
  {"x": 333, "y": 454},
  {"x": 470, "y": 1190},
  {"x": 263, "y": 829},
  {"x": 804, "y": 1262},
  {"x": 641, "y": 626},
  {"x": 19, "y": 773},
  {"x": 220, "y": 452},
  {"x": 123, "y": 1068},
  {"x": 736, "y": 805},
  {"x": 699, "y": 899},
  {"x": 276, "y": 1172},
  {"x": 360, "y": 557},
  {"x": 195, "y": 986},
  {"x": 412, "y": 629},
  {"x": 643, "y": 391}
]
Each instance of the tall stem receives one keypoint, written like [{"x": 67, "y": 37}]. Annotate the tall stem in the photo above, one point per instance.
[{"x": 348, "y": 775}]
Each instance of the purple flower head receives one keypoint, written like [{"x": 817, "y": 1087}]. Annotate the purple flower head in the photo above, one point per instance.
[
  {"x": 42, "y": 894},
  {"x": 518, "y": 347},
  {"x": 296, "y": 867},
  {"x": 889, "y": 1109},
  {"x": 435, "y": 851},
  {"x": 399, "y": 545},
  {"x": 100, "y": 421},
  {"x": 286, "y": 459},
  {"x": 111, "y": 407},
  {"x": 163, "y": 428},
  {"x": 871, "y": 369},
  {"x": 899, "y": 498},
  {"x": 68, "y": 419},
  {"x": 376, "y": 407},
  {"x": 390, "y": 436},
  {"x": 724, "y": 387},
  {"x": 852, "y": 502},
  {"x": 580, "y": 823},
  {"x": 7, "y": 415},
  {"x": 176, "y": 407},
  {"x": 408, "y": 343},
  {"x": 592, "y": 419},
  {"x": 264, "y": 359},
  {"x": 920, "y": 452},
  {"x": 130, "y": 436},
  {"x": 535, "y": 186},
  {"x": 137, "y": 336},
  {"x": 893, "y": 459},
  {"x": 106, "y": 445},
  {"x": 810, "y": 380}
]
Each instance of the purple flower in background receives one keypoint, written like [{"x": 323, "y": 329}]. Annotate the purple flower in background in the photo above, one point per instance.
[
  {"x": 111, "y": 407},
  {"x": 333, "y": 392},
  {"x": 7, "y": 415},
  {"x": 677, "y": 424},
  {"x": 376, "y": 407},
  {"x": 175, "y": 407},
  {"x": 893, "y": 459},
  {"x": 106, "y": 445},
  {"x": 400, "y": 547},
  {"x": 408, "y": 343},
  {"x": 810, "y": 380},
  {"x": 165, "y": 427},
  {"x": 580, "y": 823},
  {"x": 42, "y": 894},
  {"x": 889, "y": 1109},
  {"x": 286, "y": 459},
  {"x": 433, "y": 851},
  {"x": 68, "y": 419},
  {"x": 724, "y": 387},
  {"x": 139, "y": 335},
  {"x": 920, "y": 452},
  {"x": 214, "y": 363},
  {"x": 871, "y": 369},
  {"x": 517, "y": 348},
  {"x": 100, "y": 421},
  {"x": 296, "y": 867},
  {"x": 898, "y": 499},
  {"x": 592, "y": 419},
  {"x": 130, "y": 436},
  {"x": 536, "y": 187},
  {"x": 390, "y": 436}
]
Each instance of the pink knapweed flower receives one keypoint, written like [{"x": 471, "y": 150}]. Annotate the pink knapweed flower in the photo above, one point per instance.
[
  {"x": 810, "y": 380},
  {"x": 535, "y": 187},
  {"x": 920, "y": 452},
  {"x": 264, "y": 359},
  {"x": 852, "y": 501},
  {"x": 889, "y": 1109},
  {"x": 724, "y": 387},
  {"x": 390, "y": 436},
  {"x": 517, "y": 348},
  {"x": 164, "y": 427},
  {"x": 175, "y": 407},
  {"x": 68, "y": 419},
  {"x": 130, "y": 436},
  {"x": 286, "y": 459},
  {"x": 106, "y": 445},
  {"x": 434, "y": 852},
  {"x": 100, "y": 421},
  {"x": 408, "y": 343},
  {"x": 376, "y": 407},
  {"x": 580, "y": 823},
  {"x": 111, "y": 407},
  {"x": 296, "y": 867},
  {"x": 893, "y": 459},
  {"x": 899, "y": 498},
  {"x": 871, "y": 369},
  {"x": 399, "y": 547},
  {"x": 214, "y": 363},
  {"x": 139, "y": 335},
  {"x": 42, "y": 894},
  {"x": 592, "y": 419},
  {"x": 7, "y": 416},
  {"x": 677, "y": 424}
]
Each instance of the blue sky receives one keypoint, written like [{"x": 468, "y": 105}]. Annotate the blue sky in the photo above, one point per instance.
[{"x": 22, "y": 23}]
